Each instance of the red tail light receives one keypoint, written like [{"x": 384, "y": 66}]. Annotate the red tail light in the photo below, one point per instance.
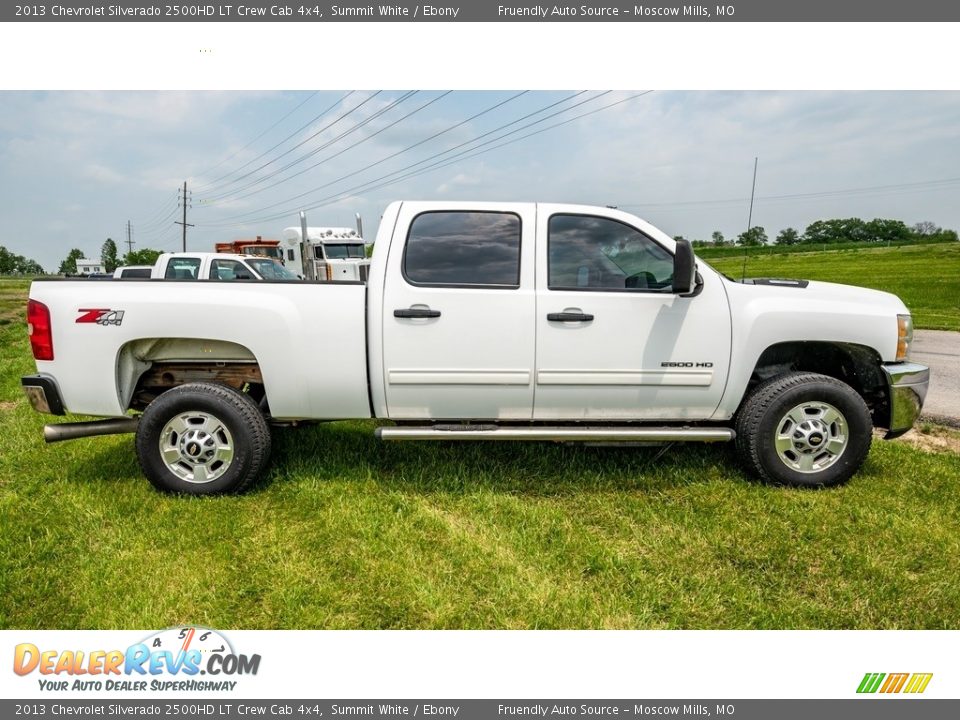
[{"x": 38, "y": 327}]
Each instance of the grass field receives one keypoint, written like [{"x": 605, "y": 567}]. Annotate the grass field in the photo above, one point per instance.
[
  {"x": 349, "y": 533},
  {"x": 926, "y": 277}
]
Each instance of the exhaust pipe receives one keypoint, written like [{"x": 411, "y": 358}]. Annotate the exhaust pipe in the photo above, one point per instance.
[{"x": 72, "y": 431}]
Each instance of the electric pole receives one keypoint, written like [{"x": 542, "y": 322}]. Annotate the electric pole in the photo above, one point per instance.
[
  {"x": 184, "y": 201},
  {"x": 130, "y": 242}
]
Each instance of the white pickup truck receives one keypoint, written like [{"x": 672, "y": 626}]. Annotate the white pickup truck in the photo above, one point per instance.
[{"x": 483, "y": 321}]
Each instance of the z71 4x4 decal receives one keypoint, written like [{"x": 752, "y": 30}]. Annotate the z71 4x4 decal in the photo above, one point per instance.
[{"x": 100, "y": 316}]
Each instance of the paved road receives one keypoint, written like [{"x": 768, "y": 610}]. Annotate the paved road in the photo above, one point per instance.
[{"x": 940, "y": 350}]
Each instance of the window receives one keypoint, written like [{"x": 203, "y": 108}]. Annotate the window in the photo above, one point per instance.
[
  {"x": 229, "y": 270},
  {"x": 183, "y": 268},
  {"x": 271, "y": 269},
  {"x": 463, "y": 248},
  {"x": 595, "y": 253},
  {"x": 290, "y": 256},
  {"x": 342, "y": 251}
]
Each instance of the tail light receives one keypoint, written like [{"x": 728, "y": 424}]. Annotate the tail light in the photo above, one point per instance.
[{"x": 38, "y": 327}]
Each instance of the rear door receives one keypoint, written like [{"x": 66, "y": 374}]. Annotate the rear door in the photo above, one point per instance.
[{"x": 458, "y": 312}]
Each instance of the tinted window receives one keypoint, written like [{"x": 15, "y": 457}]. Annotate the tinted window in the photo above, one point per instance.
[
  {"x": 135, "y": 273},
  {"x": 463, "y": 248},
  {"x": 183, "y": 268},
  {"x": 587, "y": 252},
  {"x": 229, "y": 270}
]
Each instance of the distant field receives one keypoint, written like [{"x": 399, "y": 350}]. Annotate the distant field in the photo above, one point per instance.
[
  {"x": 926, "y": 277},
  {"x": 346, "y": 532}
]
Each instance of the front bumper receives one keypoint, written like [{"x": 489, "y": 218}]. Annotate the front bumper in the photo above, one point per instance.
[
  {"x": 43, "y": 394},
  {"x": 907, "y": 384}
]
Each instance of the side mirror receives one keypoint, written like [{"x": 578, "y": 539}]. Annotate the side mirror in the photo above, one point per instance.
[{"x": 684, "y": 268}]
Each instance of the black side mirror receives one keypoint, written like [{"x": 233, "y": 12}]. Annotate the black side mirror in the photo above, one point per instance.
[{"x": 684, "y": 268}]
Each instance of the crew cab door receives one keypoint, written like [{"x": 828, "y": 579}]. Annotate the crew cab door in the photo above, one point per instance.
[
  {"x": 613, "y": 341},
  {"x": 458, "y": 312}
]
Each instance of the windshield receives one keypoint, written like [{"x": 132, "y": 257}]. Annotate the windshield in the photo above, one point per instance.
[
  {"x": 342, "y": 251},
  {"x": 270, "y": 270}
]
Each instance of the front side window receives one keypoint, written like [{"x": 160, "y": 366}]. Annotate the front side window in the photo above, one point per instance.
[
  {"x": 596, "y": 253},
  {"x": 183, "y": 268},
  {"x": 271, "y": 270},
  {"x": 464, "y": 248}
]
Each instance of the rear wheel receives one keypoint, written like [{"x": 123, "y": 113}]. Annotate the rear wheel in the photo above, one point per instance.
[
  {"x": 202, "y": 439},
  {"x": 805, "y": 430}
]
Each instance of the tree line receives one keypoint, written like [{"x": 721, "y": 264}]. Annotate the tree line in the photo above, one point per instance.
[
  {"x": 109, "y": 258},
  {"x": 828, "y": 232}
]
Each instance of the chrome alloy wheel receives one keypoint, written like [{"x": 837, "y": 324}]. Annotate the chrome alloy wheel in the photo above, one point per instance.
[
  {"x": 196, "y": 447},
  {"x": 811, "y": 437}
]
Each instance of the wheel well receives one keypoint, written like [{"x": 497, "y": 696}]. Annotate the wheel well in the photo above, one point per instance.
[
  {"x": 856, "y": 365},
  {"x": 149, "y": 367}
]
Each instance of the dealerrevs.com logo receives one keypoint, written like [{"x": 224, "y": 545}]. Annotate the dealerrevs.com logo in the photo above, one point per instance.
[
  {"x": 885, "y": 683},
  {"x": 179, "y": 659}
]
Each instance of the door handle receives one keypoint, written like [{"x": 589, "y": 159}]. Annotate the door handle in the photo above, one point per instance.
[
  {"x": 416, "y": 312},
  {"x": 569, "y": 317}
]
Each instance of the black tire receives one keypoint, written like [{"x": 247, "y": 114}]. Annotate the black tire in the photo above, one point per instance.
[
  {"x": 820, "y": 451},
  {"x": 214, "y": 439}
]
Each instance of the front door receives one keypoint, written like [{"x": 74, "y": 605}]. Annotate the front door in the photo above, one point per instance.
[
  {"x": 613, "y": 341},
  {"x": 458, "y": 314}
]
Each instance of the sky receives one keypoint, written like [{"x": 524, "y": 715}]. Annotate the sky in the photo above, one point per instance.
[{"x": 77, "y": 166}]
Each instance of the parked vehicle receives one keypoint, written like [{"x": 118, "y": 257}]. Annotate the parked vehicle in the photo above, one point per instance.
[
  {"x": 218, "y": 266},
  {"x": 133, "y": 271},
  {"x": 334, "y": 253},
  {"x": 484, "y": 321}
]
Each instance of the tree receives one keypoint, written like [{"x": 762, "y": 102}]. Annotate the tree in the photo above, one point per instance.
[
  {"x": 718, "y": 238},
  {"x": 69, "y": 265},
  {"x": 753, "y": 237},
  {"x": 13, "y": 264},
  {"x": 823, "y": 232},
  {"x": 108, "y": 255},
  {"x": 788, "y": 236},
  {"x": 880, "y": 230},
  {"x": 143, "y": 256},
  {"x": 926, "y": 228}
]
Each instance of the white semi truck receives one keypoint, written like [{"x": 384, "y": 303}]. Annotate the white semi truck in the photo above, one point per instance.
[
  {"x": 483, "y": 321},
  {"x": 335, "y": 254}
]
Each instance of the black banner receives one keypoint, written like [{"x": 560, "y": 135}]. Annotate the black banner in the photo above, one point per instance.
[{"x": 484, "y": 11}]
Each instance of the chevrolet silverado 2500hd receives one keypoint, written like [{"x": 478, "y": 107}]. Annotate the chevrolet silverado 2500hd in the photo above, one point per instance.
[{"x": 483, "y": 321}]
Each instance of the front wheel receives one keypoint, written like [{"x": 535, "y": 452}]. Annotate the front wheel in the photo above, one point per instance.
[
  {"x": 202, "y": 439},
  {"x": 805, "y": 430}
]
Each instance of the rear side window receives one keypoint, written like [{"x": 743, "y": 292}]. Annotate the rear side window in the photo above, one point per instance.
[
  {"x": 464, "y": 249},
  {"x": 183, "y": 268}
]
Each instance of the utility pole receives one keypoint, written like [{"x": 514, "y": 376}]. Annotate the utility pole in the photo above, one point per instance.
[
  {"x": 184, "y": 201},
  {"x": 753, "y": 189},
  {"x": 130, "y": 242}
]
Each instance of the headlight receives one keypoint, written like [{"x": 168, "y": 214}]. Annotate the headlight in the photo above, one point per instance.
[{"x": 904, "y": 336}]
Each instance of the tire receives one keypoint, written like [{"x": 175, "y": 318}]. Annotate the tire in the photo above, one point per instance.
[
  {"x": 203, "y": 439},
  {"x": 804, "y": 430}
]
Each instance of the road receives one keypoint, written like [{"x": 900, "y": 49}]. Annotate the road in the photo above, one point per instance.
[{"x": 940, "y": 350}]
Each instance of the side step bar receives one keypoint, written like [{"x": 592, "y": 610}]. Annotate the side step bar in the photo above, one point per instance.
[
  {"x": 558, "y": 434},
  {"x": 71, "y": 431}
]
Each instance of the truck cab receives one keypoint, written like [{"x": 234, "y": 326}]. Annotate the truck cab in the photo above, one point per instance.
[
  {"x": 218, "y": 266},
  {"x": 335, "y": 254}
]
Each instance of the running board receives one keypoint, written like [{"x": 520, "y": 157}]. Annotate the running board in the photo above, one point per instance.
[{"x": 557, "y": 434}]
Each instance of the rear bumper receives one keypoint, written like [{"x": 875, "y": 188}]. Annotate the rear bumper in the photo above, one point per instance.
[
  {"x": 907, "y": 384},
  {"x": 43, "y": 394}
]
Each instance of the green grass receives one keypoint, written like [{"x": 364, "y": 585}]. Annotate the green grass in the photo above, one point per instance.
[
  {"x": 349, "y": 533},
  {"x": 926, "y": 277}
]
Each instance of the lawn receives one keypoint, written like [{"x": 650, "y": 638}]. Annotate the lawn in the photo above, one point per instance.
[
  {"x": 926, "y": 277},
  {"x": 349, "y": 533}
]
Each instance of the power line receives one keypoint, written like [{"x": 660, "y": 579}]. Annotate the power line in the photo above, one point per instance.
[
  {"x": 304, "y": 141},
  {"x": 296, "y": 132},
  {"x": 324, "y": 146},
  {"x": 226, "y": 223},
  {"x": 240, "y": 150},
  {"x": 388, "y": 157}
]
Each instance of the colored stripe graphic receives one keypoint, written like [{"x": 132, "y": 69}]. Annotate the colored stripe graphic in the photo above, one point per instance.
[
  {"x": 870, "y": 682},
  {"x": 894, "y": 683},
  {"x": 918, "y": 683}
]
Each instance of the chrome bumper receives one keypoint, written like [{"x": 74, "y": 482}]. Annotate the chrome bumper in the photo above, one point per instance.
[{"x": 907, "y": 384}]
